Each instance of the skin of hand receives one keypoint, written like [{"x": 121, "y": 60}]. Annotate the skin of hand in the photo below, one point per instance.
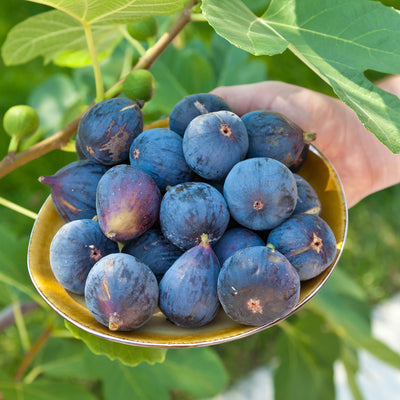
[{"x": 363, "y": 163}]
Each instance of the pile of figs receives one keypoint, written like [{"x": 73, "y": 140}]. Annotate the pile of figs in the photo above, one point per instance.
[{"x": 207, "y": 213}]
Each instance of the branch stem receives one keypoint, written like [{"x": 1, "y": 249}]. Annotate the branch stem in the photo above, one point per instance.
[
  {"x": 95, "y": 62},
  {"x": 32, "y": 353},
  {"x": 15, "y": 207}
]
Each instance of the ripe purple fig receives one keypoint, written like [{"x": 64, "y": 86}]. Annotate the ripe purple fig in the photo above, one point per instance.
[
  {"x": 75, "y": 248},
  {"x": 188, "y": 290},
  {"x": 106, "y": 130},
  {"x": 121, "y": 292},
  {"x": 307, "y": 241},
  {"x": 73, "y": 189},
  {"x": 127, "y": 202},
  {"x": 257, "y": 286}
]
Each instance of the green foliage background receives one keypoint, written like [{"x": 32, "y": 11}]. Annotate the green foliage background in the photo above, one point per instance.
[{"x": 337, "y": 319}]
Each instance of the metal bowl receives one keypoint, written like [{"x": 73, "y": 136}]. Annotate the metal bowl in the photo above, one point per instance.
[{"x": 159, "y": 332}]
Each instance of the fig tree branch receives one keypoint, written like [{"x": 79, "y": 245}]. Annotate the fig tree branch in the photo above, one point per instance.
[{"x": 60, "y": 139}]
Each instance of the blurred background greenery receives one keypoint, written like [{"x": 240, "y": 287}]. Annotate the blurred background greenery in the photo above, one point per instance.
[{"x": 371, "y": 254}]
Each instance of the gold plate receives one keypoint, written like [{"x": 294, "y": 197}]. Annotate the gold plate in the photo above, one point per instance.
[{"x": 159, "y": 332}]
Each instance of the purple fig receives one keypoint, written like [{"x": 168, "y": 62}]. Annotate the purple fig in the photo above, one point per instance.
[
  {"x": 121, "y": 292},
  {"x": 257, "y": 286},
  {"x": 188, "y": 290},
  {"x": 75, "y": 248},
  {"x": 106, "y": 130},
  {"x": 127, "y": 202},
  {"x": 307, "y": 198},
  {"x": 73, "y": 189},
  {"x": 307, "y": 241}
]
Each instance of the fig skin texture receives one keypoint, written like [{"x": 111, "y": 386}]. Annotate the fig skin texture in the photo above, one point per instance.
[
  {"x": 192, "y": 106},
  {"x": 257, "y": 286},
  {"x": 308, "y": 243},
  {"x": 235, "y": 239},
  {"x": 191, "y": 209},
  {"x": 75, "y": 248},
  {"x": 275, "y": 136},
  {"x": 106, "y": 131},
  {"x": 121, "y": 292},
  {"x": 213, "y": 143},
  {"x": 188, "y": 290},
  {"x": 73, "y": 189},
  {"x": 153, "y": 249},
  {"x": 158, "y": 152},
  {"x": 307, "y": 198},
  {"x": 127, "y": 202},
  {"x": 260, "y": 192}
]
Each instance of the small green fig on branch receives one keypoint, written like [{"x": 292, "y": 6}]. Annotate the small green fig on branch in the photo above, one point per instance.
[{"x": 20, "y": 122}]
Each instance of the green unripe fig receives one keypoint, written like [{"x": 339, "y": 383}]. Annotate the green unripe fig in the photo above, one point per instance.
[
  {"x": 21, "y": 121},
  {"x": 139, "y": 85},
  {"x": 143, "y": 30}
]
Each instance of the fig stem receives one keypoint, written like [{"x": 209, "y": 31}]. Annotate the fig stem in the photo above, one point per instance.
[
  {"x": 309, "y": 137},
  {"x": 59, "y": 139},
  {"x": 114, "y": 322},
  {"x": 204, "y": 240},
  {"x": 13, "y": 146},
  {"x": 135, "y": 43}
]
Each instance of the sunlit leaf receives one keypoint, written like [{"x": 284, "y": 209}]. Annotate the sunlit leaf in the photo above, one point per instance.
[
  {"x": 59, "y": 35},
  {"x": 113, "y": 11}
]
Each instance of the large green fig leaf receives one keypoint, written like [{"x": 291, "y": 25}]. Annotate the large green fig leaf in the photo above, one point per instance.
[
  {"x": 59, "y": 35},
  {"x": 338, "y": 39},
  {"x": 113, "y": 11}
]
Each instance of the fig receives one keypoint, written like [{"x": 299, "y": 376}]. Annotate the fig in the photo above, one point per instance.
[
  {"x": 307, "y": 241},
  {"x": 20, "y": 122},
  {"x": 75, "y": 248},
  {"x": 275, "y": 136},
  {"x": 188, "y": 290},
  {"x": 235, "y": 239},
  {"x": 307, "y": 198},
  {"x": 191, "y": 209},
  {"x": 153, "y": 249},
  {"x": 127, "y": 202},
  {"x": 192, "y": 106},
  {"x": 158, "y": 152},
  {"x": 143, "y": 30},
  {"x": 139, "y": 85},
  {"x": 121, "y": 292},
  {"x": 107, "y": 129},
  {"x": 260, "y": 192},
  {"x": 257, "y": 286},
  {"x": 213, "y": 143},
  {"x": 73, "y": 189}
]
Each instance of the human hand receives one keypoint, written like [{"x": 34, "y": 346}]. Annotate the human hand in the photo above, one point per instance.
[{"x": 363, "y": 163}]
